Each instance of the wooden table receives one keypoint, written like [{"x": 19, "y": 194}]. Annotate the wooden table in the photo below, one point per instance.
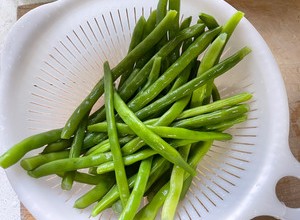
[{"x": 278, "y": 21}]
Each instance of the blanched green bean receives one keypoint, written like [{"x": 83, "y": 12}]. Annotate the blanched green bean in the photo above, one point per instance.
[
  {"x": 75, "y": 151},
  {"x": 31, "y": 163},
  {"x": 128, "y": 160},
  {"x": 166, "y": 132},
  {"x": 208, "y": 61},
  {"x": 69, "y": 164},
  {"x": 16, "y": 152},
  {"x": 213, "y": 117},
  {"x": 209, "y": 20},
  {"x": 217, "y": 105},
  {"x": 120, "y": 172},
  {"x": 193, "y": 84},
  {"x": 197, "y": 47},
  {"x": 95, "y": 194},
  {"x": 150, "y": 138},
  {"x": 176, "y": 183},
  {"x": 87, "y": 104},
  {"x": 138, "y": 190}
]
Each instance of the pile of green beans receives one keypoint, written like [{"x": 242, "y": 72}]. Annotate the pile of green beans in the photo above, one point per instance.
[{"x": 154, "y": 127}]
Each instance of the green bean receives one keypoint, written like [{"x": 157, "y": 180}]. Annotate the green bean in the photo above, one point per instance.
[
  {"x": 138, "y": 190},
  {"x": 209, "y": 59},
  {"x": 158, "y": 168},
  {"x": 138, "y": 33},
  {"x": 159, "y": 183},
  {"x": 132, "y": 84},
  {"x": 174, "y": 29},
  {"x": 217, "y": 105},
  {"x": 189, "y": 87},
  {"x": 16, "y": 152},
  {"x": 91, "y": 139},
  {"x": 120, "y": 173},
  {"x": 59, "y": 145},
  {"x": 135, "y": 81},
  {"x": 215, "y": 93},
  {"x": 229, "y": 27},
  {"x": 75, "y": 151},
  {"x": 150, "y": 138},
  {"x": 209, "y": 20},
  {"x": 226, "y": 124},
  {"x": 160, "y": 30},
  {"x": 100, "y": 114},
  {"x": 128, "y": 160},
  {"x": 176, "y": 183},
  {"x": 111, "y": 197},
  {"x": 91, "y": 179},
  {"x": 69, "y": 164},
  {"x": 232, "y": 22},
  {"x": 104, "y": 146},
  {"x": 150, "y": 210},
  {"x": 161, "y": 10},
  {"x": 198, "y": 151},
  {"x": 182, "y": 142},
  {"x": 168, "y": 132},
  {"x": 31, "y": 163},
  {"x": 213, "y": 117},
  {"x": 136, "y": 38},
  {"x": 173, "y": 71},
  {"x": 168, "y": 117},
  {"x": 174, "y": 5},
  {"x": 185, "y": 23},
  {"x": 150, "y": 25},
  {"x": 154, "y": 74},
  {"x": 95, "y": 193}
]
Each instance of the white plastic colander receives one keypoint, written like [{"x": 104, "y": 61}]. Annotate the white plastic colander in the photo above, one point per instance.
[{"x": 52, "y": 59}]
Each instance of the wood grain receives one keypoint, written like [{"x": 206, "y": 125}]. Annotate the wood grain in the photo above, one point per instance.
[{"x": 278, "y": 21}]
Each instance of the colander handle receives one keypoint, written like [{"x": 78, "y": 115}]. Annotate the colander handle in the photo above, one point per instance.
[{"x": 287, "y": 166}]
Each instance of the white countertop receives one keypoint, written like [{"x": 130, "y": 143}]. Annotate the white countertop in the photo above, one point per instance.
[{"x": 9, "y": 203}]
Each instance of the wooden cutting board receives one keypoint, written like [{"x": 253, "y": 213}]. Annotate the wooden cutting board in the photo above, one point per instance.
[{"x": 278, "y": 21}]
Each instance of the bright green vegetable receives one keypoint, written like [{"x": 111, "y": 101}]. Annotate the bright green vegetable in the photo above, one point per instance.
[
  {"x": 31, "y": 163},
  {"x": 95, "y": 193},
  {"x": 217, "y": 105},
  {"x": 166, "y": 132},
  {"x": 120, "y": 172},
  {"x": 132, "y": 56},
  {"x": 59, "y": 145},
  {"x": 131, "y": 85},
  {"x": 209, "y": 59},
  {"x": 176, "y": 183},
  {"x": 213, "y": 117},
  {"x": 16, "y": 152},
  {"x": 75, "y": 151},
  {"x": 69, "y": 164},
  {"x": 138, "y": 190},
  {"x": 209, "y": 20},
  {"x": 193, "y": 84},
  {"x": 110, "y": 197},
  {"x": 150, "y": 138},
  {"x": 128, "y": 160},
  {"x": 172, "y": 72}
]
